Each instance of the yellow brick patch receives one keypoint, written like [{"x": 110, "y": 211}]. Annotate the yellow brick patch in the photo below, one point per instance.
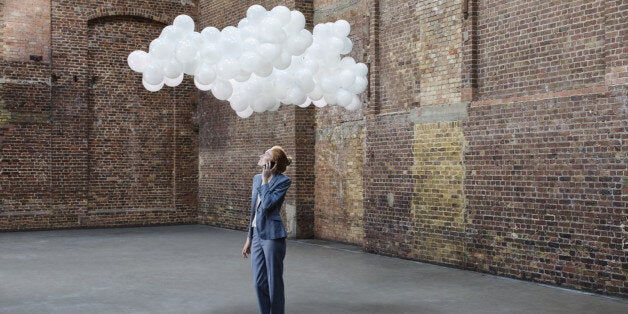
[
  {"x": 339, "y": 208},
  {"x": 438, "y": 203}
]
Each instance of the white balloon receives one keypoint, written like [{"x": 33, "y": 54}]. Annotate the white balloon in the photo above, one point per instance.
[
  {"x": 320, "y": 103},
  {"x": 258, "y": 105},
  {"x": 222, "y": 89},
  {"x": 359, "y": 86},
  {"x": 316, "y": 93},
  {"x": 264, "y": 70},
  {"x": 274, "y": 37},
  {"x": 311, "y": 65},
  {"x": 343, "y": 97},
  {"x": 174, "y": 82},
  {"x": 283, "y": 62},
  {"x": 355, "y": 104},
  {"x": 245, "y": 113},
  {"x": 210, "y": 34},
  {"x": 346, "y": 78},
  {"x": 244, "y": 23},
  {"x": 172, "y": 69},
  {"x": 329, "y": 85},
  {"x": 161, "y": 48},
  {"x": 242, "y": 77},
  {"x": 230, "y": 31},
  {"x": 347, "y": 63},
  {"x": 184, "y": 22},
  {"x": 330, "y": 99},
  {"x": 270, "y": 24},
  {"x": 189, "y": 68},
  {"x": 205, "y": 74},
  {"x": 211, "y": 53},
  {"x": 331, "y": 60},
  {"x": 195, "y": 37},
  {"x": 253, "y": 87},
  {"x": 348, "y": 46},
  {"x": 202, "y": 86},
  {"x": 361, "y": 69},
  {"x": 275, "y": 106},
  {"x": 239, "y": 102},
  {"x": 306, "y": 103},
  {"x": 307, "y": 36},
  {"x": 342, "y": 28},
  {"x": 153, "y": 74},
  {"x": 249, "y": 31},
  {"x": 250, "y": 44},
  {"x": 280, "y": 84},
  {"x": 172, "y": 33},
  {"x": 138, "y": 60},
  {"x": 297, "y": 22},
  {"x": 186, "y": 50},
  {"x": 250, "y": 61},
  {"x": 228, "y": 68},
  {"x": 303, "y": 77},
  {"x": 323, "y": 30},
  {"x": 269, "y": 51},
  {"x": 295, "y": 95},
  {"x": 335, "y": 44},
  {"x": 281, "y": 13},
  {"x": 297, "y": 44},
  {"x": 316, "y": 50},
  {"x": 152, "y": 87},
  {"x": 256, "y": 13},
  {"x": 230, "y": 46}
]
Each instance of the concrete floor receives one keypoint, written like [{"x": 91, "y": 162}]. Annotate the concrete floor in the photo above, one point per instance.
[{"x": 198, "y": 269}]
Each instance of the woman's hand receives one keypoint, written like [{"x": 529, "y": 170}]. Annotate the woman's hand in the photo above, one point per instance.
[
  {"x": 246, "y": 250},
  {"x": 268, "y": 172}
]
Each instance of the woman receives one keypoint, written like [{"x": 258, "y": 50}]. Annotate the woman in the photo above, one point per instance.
[{"x": 266, "y": 240}]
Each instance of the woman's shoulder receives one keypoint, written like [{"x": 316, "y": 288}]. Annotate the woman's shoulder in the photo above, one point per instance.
[{"x": 284, "y": 177}]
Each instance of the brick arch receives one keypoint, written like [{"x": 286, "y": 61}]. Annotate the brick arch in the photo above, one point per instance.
[{"x": 99, "y": 13}]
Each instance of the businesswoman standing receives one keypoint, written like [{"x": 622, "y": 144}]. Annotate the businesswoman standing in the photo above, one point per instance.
[{"x": 266, "y": 240}]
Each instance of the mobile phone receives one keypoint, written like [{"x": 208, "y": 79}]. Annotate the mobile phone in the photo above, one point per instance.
[{"x": 272, "y": 164}]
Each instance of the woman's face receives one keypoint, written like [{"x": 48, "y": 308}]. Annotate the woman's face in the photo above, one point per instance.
[{"x": 264, "y": 158}]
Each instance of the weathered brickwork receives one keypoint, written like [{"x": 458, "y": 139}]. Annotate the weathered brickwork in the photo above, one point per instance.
[
  {"x": 546, "y": 163},
  {"x": 83, "y": 145},
  {"x": 438, "y": 201},
  {"x": 339, "y": 210},
  {"x": 399, "y": 69},
  {"x": 544, "y": 190},
  {"x": 339, "y": 164},
  {"x": 539, "y": 46},
  {"x": 438, "y": 40},
  {"x": 389, "y": 184},
  {"x": 26, "y": 29}
]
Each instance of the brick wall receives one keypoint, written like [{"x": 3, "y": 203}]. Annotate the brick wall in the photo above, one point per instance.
[
  {"x": 340, "y": 135},
  {"x": 83, "y": 145},
  {"x": 518, "y": 119},
  {"x": 26, "y": 29},
  {"x": 545, "y": 161}
]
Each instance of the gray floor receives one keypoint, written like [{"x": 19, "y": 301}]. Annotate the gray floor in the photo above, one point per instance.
[{"x": 198, "y": 269}]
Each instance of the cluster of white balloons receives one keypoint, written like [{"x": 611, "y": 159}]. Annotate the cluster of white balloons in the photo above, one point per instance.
[{"x": 268, "y": 59}]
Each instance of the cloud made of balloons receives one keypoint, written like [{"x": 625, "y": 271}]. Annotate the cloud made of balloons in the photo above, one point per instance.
[{"x": 269, "y": 59}]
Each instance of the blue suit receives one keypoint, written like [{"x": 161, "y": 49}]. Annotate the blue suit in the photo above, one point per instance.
[{"x": 268, "y": 247}]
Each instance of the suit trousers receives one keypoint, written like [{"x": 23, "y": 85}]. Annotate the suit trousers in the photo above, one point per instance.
[{"x": 267, "y": 263}]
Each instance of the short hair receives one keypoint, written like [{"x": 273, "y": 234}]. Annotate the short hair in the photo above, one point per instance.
[{"x": 279, "y": 156}]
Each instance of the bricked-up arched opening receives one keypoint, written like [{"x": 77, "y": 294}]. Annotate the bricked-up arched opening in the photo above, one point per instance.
[{"x": 134, "y": 138}]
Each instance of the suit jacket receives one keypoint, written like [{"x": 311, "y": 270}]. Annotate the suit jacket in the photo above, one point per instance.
[{"x": 268, "y": 223}]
